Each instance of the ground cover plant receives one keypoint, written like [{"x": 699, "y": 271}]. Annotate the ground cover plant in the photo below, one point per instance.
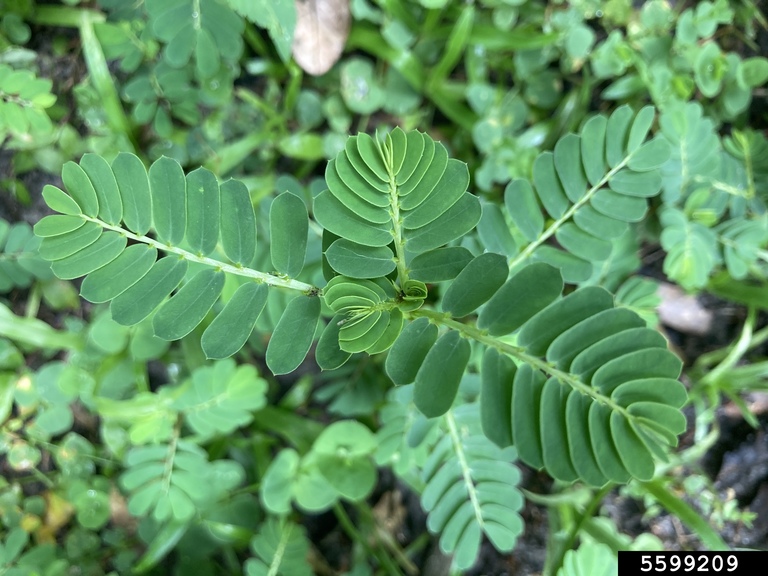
[{"x": 371, "y": 287}]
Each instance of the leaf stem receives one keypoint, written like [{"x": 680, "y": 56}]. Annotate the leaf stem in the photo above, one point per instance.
[
  {"x": 567, "y": 216},
  {"x": 262, "y": 277},
  {"x": 354, "y": 534},
  {"x": 469, "y": 331}
]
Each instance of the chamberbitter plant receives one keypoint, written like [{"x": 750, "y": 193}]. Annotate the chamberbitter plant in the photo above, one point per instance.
[{"x": 578, "y": 385}]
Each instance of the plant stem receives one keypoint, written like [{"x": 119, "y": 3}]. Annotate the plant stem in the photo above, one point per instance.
[
  {"x": 354, "y": 534},
  {"x": 576, "y": 527},
  {"x": 261, "y": 277}
]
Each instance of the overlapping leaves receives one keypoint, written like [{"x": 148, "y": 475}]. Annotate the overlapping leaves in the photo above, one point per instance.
[
  {"x": 194, "y": 220},
  {"x": 403, "y": 196},
  {"x": 592, "y": 185},
  {"x": 23, "y": 101},
  {"x": 595, "y": 395}
]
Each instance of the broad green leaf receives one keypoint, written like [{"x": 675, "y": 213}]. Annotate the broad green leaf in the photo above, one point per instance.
[
  {"x": 238, "y": 223},
  {"x": 554, "y": 434},
  {"x": 539, "y": 332},
  {"x": 409, "y": 200},
  {"x": 278, "y": 480},
  {"x": 353, "y": 181},
  {"x": 288, "y": 226},
  {"x": 391, "y": 332},
  {"x": 616, "y": 134},
  {"x": 293, "y": 335},
  {"x": 334, "y": 216},
  {"x": 141, "y": 299},
  {"x": 169, "y": 190},
  {"x": 619, "y": 206},
  {"x": 567, "y": 159},
  {"x": 59, "y": 201},
  {"x": 603, "y": 447},
  {"x": 231, "y": 328},
  {"x": 371, "y": 153},
  {"x": 526, "y": 428},
  {"x": 579, "y": 441},
  {"x": 58, "y": 247},
  {"x": 597, "y": 224},
  {"x": 523, "y": 207},
  {"x": 640, "y": 127},
  {"x": 80, "y": 188},
  {"x": 105, "y": 185},
  {"x": 454, "y": 223},
  {"x": 202, "y": 211},
  {"x": 632, "y": 451},
  {"x": 593, "y": 358},
  {"x": 452, "y": 185},
  {"x": 352, "y": 478},
  {"x": 358, "y": 261},
  {"x": 438, "y": 378},
  {"x": 416, "y": 142},
  {"x": 357, "y": 200},
  {"x": 497, "y": 374},
  {"x": 187, "y": 308},
  {"x": 475, "y": 284},
  {"x": 133, "y": 183},
  {"x": 94, "y": 256},
  {"x": 640, "y": 184},
  {"x": 650, "y": 156},
  {"x": 639, "y": 363},
  {"x": 494, "y": 231},
  {"x": 593, "y": 148},
  {"x": 661, "y": 390},
  {"x": 581, "y": 244},
  {"x": 328, "y": 353},
  {"x": 111, "y": 280},
  {"x": 409, "y": 350},
  {"x": 57, "y": 224},
  {"x": 580, "y": 336},
  {"x": 520, "y": 298},
  {"x": 440, "y": 264},
  {"x": 548, "y": 185}
]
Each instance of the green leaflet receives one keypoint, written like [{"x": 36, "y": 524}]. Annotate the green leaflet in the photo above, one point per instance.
[
  {"x": 587, "y": 362},
  {"x": 568, "y": 163},
  {"x": 334, "y": 216},
  {"x": 59, "y": 201},
  {"x": 293, "y": 335},
  {"x": 105, "y": 185},
  {"x": 202, "y": 211},
  {"x": 187, "y": 308},
  {"x": 454, "y": 223},
  {"x": 440, "y": 264},
  {"x": 80, "y": 188},
  {"x": 409, "y": 350},
  {"x": 579, "y": 440},
  {"x": 592, "y": 148},
  {"x": 138, "y": 301},
  {"x": 169, "y": 211},
  {"x": 522, "y": 206},
  {"x": 105, "y": 249},
  {"x": 525, "y": 294},
  {"x": 545, "y": 326},
  {"x": 328, "y": 353},
  {"x": 475, "y": 284},
  {"x": 133, "y": 184},
  {"x": 554, "y": 432},
  {"x": 111, "y": 280},
  {"x": 526, "y": 418},
  {"x": 359, "y": 261},
  {"x": 548, "y": 185},
  {"x": 56, "y": 225},
  {"x": 497, "y": 373},
  {"x": 63, "y": 245},
  {"x": 231, "y": 328},
  {"x": 648, "y": 363},
  {"x": 238, "y": 223},
  {"x": 438, "y": 378},
  {"x": 288, "y": 226}
]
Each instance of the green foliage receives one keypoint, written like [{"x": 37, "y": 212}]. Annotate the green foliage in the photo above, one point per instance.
[
  {"x": 23, "y": 100},
  {"x": 484, "y": 291},
  {"x": 20, "y": 262}
]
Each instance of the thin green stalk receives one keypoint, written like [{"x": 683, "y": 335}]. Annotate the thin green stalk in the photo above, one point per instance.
[
  {"x": 739, "y": 349},
  {"x": 354, "y": 534},
  {"x": 469, "y": 331},
  {"x": 102, "y": 79},
  {"x": 677, "y": 507},
  {"x": 575, "y": 529},
  {"x": 261, "y": 277}
]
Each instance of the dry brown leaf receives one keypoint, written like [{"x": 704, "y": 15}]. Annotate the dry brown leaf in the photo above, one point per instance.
[{"x": 322, "y": 27}]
